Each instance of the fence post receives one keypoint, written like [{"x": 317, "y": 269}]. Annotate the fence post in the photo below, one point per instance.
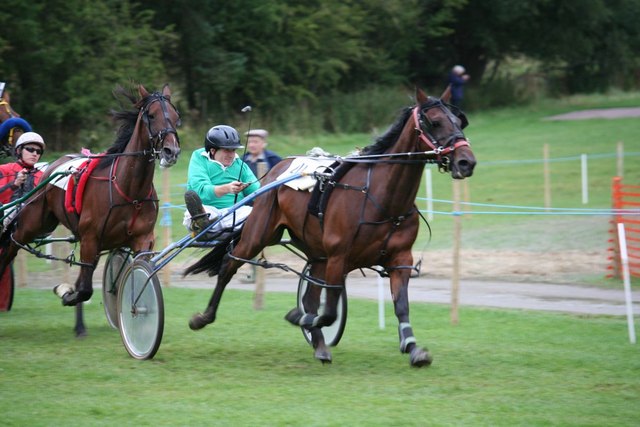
[
  {"x": 21, "y": 271},
  {"x": 429, "y": 189},
  {"x": 166, "y": 222},
  {"x": 258, "y": 272},
  {"x": 585, "y": 179},
  {"x": 455, "y": 276},
  {"x": 620, "y": 159},
  {"x": 547, "y": 177},
  {"x": 624, "y": 260},
  {"x": 616, "y": 204}
]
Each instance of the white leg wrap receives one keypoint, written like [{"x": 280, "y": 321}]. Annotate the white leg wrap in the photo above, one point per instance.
[
  {"x": 63, "y": 288},
  {"x": 404, "y": 339}
]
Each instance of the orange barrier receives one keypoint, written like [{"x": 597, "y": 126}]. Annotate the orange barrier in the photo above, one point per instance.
[{"x": 625, "y": 197}]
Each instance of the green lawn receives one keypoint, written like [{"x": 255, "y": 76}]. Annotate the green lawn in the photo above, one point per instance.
[{"x": 496, "y": 368}]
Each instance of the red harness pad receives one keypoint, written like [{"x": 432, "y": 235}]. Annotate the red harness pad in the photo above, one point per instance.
[{"x": 77, "y": 183}]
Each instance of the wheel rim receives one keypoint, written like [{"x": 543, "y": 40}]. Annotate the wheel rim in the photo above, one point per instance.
[
  {"x": 115, "y": 266},
  {"x": 140, "y": 312}
]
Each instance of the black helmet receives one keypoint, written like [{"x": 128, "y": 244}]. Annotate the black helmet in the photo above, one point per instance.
[{"x": 222, "y": 136}]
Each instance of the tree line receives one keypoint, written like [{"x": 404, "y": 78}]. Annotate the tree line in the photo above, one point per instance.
[{"x": 61, "y": 59}]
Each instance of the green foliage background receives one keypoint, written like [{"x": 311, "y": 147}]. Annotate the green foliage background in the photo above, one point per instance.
[{"x": 307, "y": 66}]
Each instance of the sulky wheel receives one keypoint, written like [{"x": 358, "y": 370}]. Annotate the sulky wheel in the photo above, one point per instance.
[
  {"x": 140, "y": 310},
  {"x": 117, "y": 262},
  {"x": 7, "y": 288},
  {"x": 333, "y": 333}
]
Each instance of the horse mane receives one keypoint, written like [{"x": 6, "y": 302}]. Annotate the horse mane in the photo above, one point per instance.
[
  {"x": 126, "y": 118},
  {"x": 386, "y": 141}
]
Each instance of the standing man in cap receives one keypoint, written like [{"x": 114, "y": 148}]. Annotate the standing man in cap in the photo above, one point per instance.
[
  {"x": 457, "y": 80},
  {"x": 259, "y": 159}
]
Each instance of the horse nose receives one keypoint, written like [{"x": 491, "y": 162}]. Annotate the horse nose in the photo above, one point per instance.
[
  {"x": 464, "y": 161},
  {"x": 171, "y": 152},
  {"x": 465, "y": 167}
]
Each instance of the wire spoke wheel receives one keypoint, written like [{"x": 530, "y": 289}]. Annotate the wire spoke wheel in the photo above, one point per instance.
[
  {"x": 117, "y": 262},
  {"x": 140, "y": 310}
]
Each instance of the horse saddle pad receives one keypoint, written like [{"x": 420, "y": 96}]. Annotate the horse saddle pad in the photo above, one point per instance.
[
  {"x": 73, "y": 166},
  {"x": 73, "y": 183},
  {"x": 306, "y": 164}
]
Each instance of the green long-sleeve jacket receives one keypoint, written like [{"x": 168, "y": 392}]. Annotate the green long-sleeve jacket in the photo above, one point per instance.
[{"x": 205, "y": 173}]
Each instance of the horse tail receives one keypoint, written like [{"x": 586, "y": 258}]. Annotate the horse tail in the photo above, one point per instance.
[{"x": 212, "y": 261}]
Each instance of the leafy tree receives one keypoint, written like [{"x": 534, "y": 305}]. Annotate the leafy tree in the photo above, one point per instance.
[{"x": 68, "y": 55}]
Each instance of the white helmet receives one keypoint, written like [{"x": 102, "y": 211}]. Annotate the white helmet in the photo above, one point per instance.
[
  {"x": 458, "y": 69},
  {"x": 30, "y": 138}
]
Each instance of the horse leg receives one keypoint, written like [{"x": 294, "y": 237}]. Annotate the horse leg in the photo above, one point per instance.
[
  {"x": 332, "y": 271},
  {"x": 80, "y": 329},
  {"x": 257, "y": 233},
  {"x": 83, "y": 289},
  {"x": 418, "y": 356},
  {"x": 6, "y": 258},
  {"x": 227, "y": 270},
  {"x": 311, "y": 303}
]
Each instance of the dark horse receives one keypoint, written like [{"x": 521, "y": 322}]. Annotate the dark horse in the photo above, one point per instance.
[
  {"x": 370, "y": 220},
  {"x": 119, "y": 202},
  {"x": 11, "y": 126}
]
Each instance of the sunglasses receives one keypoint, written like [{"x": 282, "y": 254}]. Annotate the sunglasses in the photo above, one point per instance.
[{"x": 38, "y": 151}]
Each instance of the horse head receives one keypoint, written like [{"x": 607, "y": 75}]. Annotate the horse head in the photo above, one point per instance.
[
  {"x": 439, "y": 126},
  {"x": 161, "y": 119}
]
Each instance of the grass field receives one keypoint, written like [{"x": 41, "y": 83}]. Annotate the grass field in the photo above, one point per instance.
[{"x": 496, "y": 368}]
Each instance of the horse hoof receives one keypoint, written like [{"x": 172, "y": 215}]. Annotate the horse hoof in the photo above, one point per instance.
[
  {"x": 294, "y": 316},
  {"x": 70, "y": 299},
  {"x": 323, "y": 356},
  {"x": 420, "y": 357},
  {"x": 81, "y": 334},
  {"x": 197, "y": 322}
]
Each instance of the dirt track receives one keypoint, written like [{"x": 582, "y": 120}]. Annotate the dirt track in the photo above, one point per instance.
[
  {"x": 569, "y": 298},
  {"x": 602, "y": 113}
]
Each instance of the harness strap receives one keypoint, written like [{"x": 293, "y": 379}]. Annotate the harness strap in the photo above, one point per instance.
[{"x": 440, "y": 151}]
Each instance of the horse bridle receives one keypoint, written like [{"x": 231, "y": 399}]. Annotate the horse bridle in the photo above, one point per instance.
[
  {"x": 157, "y": 139},
  {"x": 453, "y": 141}
]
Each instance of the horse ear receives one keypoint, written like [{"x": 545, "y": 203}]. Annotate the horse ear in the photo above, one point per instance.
[
  {"x": 421, "y": 97},
  {"x": 143, "y": 92},
  {"x": 446, "y": 95},
  {"x": 166, "y": 91}
]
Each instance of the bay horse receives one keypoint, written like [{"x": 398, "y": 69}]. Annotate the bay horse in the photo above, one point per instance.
[
  {"x": 119, "y": 204},
  {"x": 11, "y": 125},
  {"x": 370, "y": 219}
]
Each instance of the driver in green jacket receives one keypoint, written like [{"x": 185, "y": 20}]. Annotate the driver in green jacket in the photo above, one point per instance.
[{"x": 217, "y": 178}]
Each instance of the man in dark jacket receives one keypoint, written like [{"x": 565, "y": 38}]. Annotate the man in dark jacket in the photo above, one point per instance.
[
  {"x": 259, "y": 159},
  {"x": 457, "y": 79}
]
